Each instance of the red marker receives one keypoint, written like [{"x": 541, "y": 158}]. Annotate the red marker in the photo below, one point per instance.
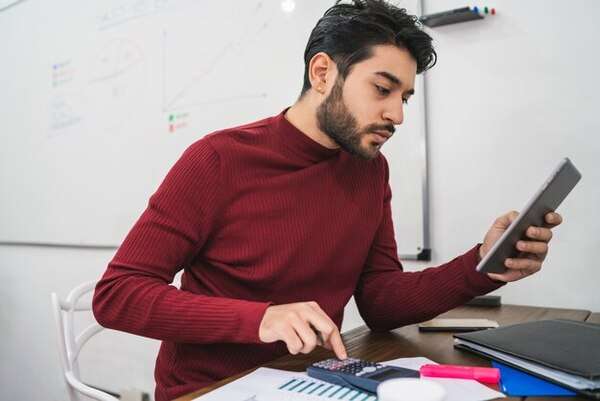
[{"x": 484, "y": 375}]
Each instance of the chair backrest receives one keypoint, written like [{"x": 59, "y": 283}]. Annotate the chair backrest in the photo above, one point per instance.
[{"x": 70, "y": 343}]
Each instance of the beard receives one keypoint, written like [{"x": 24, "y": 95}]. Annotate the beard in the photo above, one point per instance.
[{"x": 337, "y": 122}]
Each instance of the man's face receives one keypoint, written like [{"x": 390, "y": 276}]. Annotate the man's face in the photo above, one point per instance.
[{"x": 360, "y": 112}]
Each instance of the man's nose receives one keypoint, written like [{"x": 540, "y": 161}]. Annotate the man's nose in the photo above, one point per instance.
[{"x": 395, "y": 115}]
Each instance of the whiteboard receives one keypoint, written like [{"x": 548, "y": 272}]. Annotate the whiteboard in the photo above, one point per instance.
[{"x": 100, "y": 98}]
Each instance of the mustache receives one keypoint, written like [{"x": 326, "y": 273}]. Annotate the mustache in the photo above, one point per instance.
[{"x": 380, "y": 127}]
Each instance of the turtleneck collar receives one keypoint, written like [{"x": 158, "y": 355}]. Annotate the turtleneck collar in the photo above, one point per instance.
[{"x": 299, "y": 143}]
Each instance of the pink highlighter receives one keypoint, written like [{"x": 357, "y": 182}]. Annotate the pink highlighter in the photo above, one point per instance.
[{"x": 483, "y": 375}]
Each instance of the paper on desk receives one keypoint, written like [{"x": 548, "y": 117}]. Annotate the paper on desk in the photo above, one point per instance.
[
  {"x": 456, "y": 389},
  {"x": 266, "y": 384}
]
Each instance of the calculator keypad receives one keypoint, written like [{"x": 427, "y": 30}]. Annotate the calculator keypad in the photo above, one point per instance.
[{"x": 351, "y": 366}]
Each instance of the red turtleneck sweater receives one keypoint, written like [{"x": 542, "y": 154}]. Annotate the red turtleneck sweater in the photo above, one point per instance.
[{"x": 258, "y": 215}]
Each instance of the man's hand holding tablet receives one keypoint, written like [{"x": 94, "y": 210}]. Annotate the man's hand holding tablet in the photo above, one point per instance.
[
  {"x": 532, "y": 251},
  {"x": 517, "y": 243}
]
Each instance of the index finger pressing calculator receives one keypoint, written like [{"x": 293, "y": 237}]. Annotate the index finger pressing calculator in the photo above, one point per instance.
[{"x": 357, "y": 373}]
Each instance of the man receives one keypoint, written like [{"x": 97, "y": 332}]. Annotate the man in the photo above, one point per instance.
[{"x": 278, "y": 223}]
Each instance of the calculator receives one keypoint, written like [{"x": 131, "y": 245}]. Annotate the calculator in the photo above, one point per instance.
[{"x": 356, "y": 373}]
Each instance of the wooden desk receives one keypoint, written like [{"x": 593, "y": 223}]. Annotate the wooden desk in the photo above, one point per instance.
[{"x": 409, "y": 342}]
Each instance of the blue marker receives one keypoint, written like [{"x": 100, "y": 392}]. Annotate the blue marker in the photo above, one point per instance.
[{"x": 476, "y": 10}]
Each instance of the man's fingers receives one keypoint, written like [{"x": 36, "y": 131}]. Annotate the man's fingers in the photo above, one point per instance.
[
  {"x": 531, "y": 253},
  {"x": 300, "y": 326},
  {"x": 532, "y": 247},
  {"x": 321, "y": 321},
  {"x": 306, "y": 334},
  {"x": 338, "y": 345},
  {"x": 332, "y": 340},
  {"x": 553, "y": 219},
  {"x": 317, "y": 308},
  {"x": 505, "y": 220},
  {"x": 330, "y": 333},
  {"x": 530, "y": 265},
  {"x": 291, "y": 339},
  {"x": 540, "y": 233}
]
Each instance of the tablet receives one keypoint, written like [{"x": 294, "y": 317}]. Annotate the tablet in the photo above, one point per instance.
[{"x": 556, "y": 188}]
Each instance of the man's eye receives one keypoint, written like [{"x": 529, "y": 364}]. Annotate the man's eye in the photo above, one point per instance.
[{"x": 382, "y": 91}]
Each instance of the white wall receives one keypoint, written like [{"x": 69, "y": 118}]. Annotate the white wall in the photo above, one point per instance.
[
  {"x": 509, "y": 97},
  {"x": 30, "y": 365}
]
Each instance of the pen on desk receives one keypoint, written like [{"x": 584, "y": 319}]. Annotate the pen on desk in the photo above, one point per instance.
[
  {"x": 483, "y": 375},
  {"x": 320, "y": 339}
]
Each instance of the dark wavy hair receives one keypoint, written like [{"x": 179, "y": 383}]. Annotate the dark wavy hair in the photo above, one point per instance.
[{"x": 347, "y": 32}]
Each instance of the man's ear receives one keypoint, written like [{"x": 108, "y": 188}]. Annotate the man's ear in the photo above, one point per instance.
[{"x": 320, "y": 70}]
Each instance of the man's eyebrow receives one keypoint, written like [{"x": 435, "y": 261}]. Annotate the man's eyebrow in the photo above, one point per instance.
[
  {"x": 390, "y": 77},
  {"x": 394, "y": 80}
]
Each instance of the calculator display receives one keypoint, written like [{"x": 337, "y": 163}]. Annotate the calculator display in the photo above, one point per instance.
[{"x": 385, "y": 375}]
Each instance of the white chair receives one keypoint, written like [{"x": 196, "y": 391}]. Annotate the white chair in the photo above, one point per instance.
[{"x": 70, "y": 344}]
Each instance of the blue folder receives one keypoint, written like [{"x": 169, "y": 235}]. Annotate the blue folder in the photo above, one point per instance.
[{"x": 515, "y": 382}]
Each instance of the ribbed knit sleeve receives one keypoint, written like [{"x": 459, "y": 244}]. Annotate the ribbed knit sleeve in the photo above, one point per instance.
[
  {"x": 134, "y": 294},
  {"x": 387, "y": 297}
]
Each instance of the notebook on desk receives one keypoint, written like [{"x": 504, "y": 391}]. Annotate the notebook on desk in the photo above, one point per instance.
[
  {"x": 566, "y": 352},
  {"x": 515, "y": 382}
]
